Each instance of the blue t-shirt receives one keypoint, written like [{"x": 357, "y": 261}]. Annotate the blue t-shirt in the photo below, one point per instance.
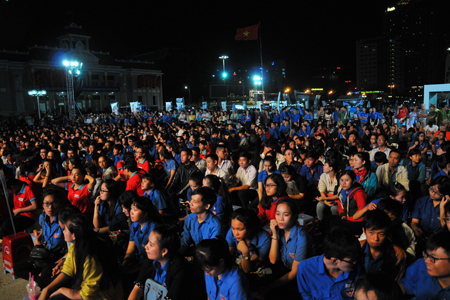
[
  {"x": 427, "y": 214},
  {"x": 140, "y": 237},
  {"x": 296, "y": 247},
  {"x": 219, "y": 208},
  {"x": 116, "y": 221},
  {"x": 422, "y": 285},
  {"x": 193, "y": 232},
  {"x": 263, "y": 174},
  {"x": 233, "y": 285},
  {"x": 168, "y": 166},
  {"x": 158, "y": 198},
  {"x": 259, "y": 244},
  {"x": 52, "y": 233},
  {"x": 314, "y": 282}
]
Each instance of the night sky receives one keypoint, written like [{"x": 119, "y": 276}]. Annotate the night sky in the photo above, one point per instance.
[{"x": 306, "y": 35}]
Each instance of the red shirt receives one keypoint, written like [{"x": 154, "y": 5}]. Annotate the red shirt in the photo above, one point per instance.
[
  {"x": 265, "y": 215},
  {"x": 134, "y": 183},
  {"x": 359, "y": 196},
  {"x": 23, "y": 199},
  {"x": 120, "y": 169},
  {"x": 402, "y": 112},
  {"x": 80, "y": 197},
  {"x": 144, "y": 165}
]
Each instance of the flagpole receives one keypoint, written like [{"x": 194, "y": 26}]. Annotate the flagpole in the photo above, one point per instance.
[{"x": 261, "y": 58}]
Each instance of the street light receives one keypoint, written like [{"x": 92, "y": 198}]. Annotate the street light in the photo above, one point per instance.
[
  {"x": 37, "y": 94},
  {"x": 224, "y": 73},
  {"x": 186, "y": 88}
]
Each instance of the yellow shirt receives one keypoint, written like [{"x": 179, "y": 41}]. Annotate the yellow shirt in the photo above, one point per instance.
[{"x": 92, "y": 273}]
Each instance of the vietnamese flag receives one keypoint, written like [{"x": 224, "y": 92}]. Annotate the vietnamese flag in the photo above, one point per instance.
[{"x": 247, "y": 33}]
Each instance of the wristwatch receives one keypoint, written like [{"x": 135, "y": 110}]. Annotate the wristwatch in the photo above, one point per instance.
[{"x": 246, "y": 257}]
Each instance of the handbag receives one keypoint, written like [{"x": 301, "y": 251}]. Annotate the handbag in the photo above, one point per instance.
[
  {"x": 154, "y": 290},
  {"x": 40, "y": 252}
]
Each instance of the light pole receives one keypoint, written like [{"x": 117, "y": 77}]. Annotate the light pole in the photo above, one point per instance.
[
  {"x": 73, "y": 68},
  {"x": 37, "y": 94},
  {"x": 224, "y": 73},
  {"x": 187, "y": 88}
]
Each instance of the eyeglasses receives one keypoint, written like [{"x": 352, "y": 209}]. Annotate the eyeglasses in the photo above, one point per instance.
[
  {"x": 432, "y": 258},
  {"x": 104, "y": 191},
  {"x": 435, "y": 192},
  {"x": 271, "y": 185},
  {"x": 47, "y": 204},
  {"x": 348, "y": 261}
]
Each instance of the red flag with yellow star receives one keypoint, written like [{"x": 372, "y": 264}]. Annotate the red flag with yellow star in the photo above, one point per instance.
[{"x": 247, "y": 33}]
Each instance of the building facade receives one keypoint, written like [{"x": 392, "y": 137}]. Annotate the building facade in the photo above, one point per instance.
[{"x": 104, "y": 79}]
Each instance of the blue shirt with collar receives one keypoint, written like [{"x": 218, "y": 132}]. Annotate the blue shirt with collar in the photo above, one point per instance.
[
  {"x": 232, "y": 285},
  {"x": 439, "y": 174},
  {"x": 177, "y": 158},
  {"x": 427, "y": 214},
  {"x": 295, "y": 248},
  {"x": 194, "y": 232},
  {"x": 129, "y": 148},
  {"x": 52, "y": 232},
  {"x": 422, "y": 285},
  {"x": 168, "y": 166},
  {"x": 161, "y": 272},
  {"x": 314, "y": 282},
  {"x": 422, "y": 145},
  {"x": 219, "y": 208},
  {"x": 370, "y": 264},
  {"x": 336, "y": 116},
  {"x": 273, "y": 133},
  {"x": 285, "y": 129},
  {"x": 276, "y": 118},
  {"x": 263, "y": 174},
  {"x": 295, "y": 118},
  {"x": 157, "y": 198},
  {"x": 117, "y": 158},
  {"x": 259, "y": 244},
  {"x": 308, "y": 117},
  {"x": 189, "y": 194},
  {"x": 116, "y": 221},
  {"x": 417, "y": 172},
  {"x": 140, "y": 236},
  {"x": 312, "y": 178}
]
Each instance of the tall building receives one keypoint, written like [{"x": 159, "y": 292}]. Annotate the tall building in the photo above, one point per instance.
[
  {"x": 372, "y": 64},
  {"x": 104, "y": 79},
  {"x": 419, "y": 37}
]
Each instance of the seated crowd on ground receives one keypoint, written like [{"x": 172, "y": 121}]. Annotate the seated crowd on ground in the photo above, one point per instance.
[{"x": 216, "y": 205}]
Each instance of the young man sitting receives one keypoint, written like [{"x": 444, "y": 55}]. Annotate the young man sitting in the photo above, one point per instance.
[
  {"x": 378, "y": 251},
  {"x": 247, "y": 177},
  {"x": 201, "y": 223},
  {"x": 429, "y": 277},
  {"x": 333, "y": 274}
]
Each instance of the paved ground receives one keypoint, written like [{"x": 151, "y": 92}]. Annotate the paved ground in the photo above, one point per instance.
[{"x": 11, "y": 289}]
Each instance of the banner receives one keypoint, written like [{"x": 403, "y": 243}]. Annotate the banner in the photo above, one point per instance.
[
  {"x": 133, "y": 107},
  {"x": 204, "y": 105},
  {"x": 168, "y": 106},
  {"x": 115, "y": 108},
  {"x": 224, "y": 105},
  {"x": 180, "y": 103}
]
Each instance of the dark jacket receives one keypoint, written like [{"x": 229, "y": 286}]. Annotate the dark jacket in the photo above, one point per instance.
[
  {"x": 181, "y": 178},
  {"x": 182, "y": 279}
]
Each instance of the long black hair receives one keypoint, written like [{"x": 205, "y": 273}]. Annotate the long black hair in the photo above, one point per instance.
[
  {"x": 266, "y": 201},
  {"x": 113, "y": 195},
  {"x": 88, "y": 246}
]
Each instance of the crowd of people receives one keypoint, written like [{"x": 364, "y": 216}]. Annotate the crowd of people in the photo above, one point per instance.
[{"x": 339, "y": 203}]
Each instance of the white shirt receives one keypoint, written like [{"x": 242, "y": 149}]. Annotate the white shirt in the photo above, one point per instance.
[
  {"x": 227, "y": 166},
  {"x": 221, "y": 174},
  {"x": 386, "y": 151},
  {"x": 248, "y": 177}
]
